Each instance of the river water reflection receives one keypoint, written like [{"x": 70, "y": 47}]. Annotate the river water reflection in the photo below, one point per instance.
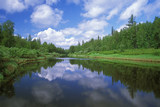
[{"x": 68, "y": 82}]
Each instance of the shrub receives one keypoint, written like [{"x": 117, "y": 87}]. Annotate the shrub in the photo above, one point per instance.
[
  {"x": 15, "y": 52},
  {"x": 1, "y": 77},
  {"x": 156, "y": 53},
  {"x": 4, "y": 52},
  {"x": 29, "y": 54}
]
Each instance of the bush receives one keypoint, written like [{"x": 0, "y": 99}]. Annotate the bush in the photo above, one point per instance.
[
  {"x": 156, "y": 53},
  {"x": 15, "y": 52},
  {"x": 29, "y": 54},
  {"x": 4, "y": 52},
  {"x": 1, "y": 77}
]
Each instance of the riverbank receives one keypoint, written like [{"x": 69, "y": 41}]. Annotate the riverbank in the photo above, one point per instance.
[
  {"x": 11, "y": 58},
  {"x": 142, "y": 57}
]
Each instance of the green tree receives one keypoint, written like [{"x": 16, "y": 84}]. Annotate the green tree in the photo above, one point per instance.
[
  {"x": 34, "y": 44},
  {"x": 29, "y": 38},
  {"x": 156, "y": 32},
  {"x": 112, "y": 31},
  {"x": 1, "y": 35},
  {"x": 51, "y": 48},
  {"x": 8, "y": 34},
  {"x": 131, "y": 21},
  {"x": 72, "y": 49}
]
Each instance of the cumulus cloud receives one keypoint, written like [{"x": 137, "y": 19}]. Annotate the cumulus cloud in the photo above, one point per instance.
[
  {"x": 45, "y": 16},
  {"x": 12, "y": 6},
  {"x": 70, "y": 36},
  {"x": 136, "y": 8},
  {"x": 72, "y": 31},
  {"x": 57, "y": 37}
]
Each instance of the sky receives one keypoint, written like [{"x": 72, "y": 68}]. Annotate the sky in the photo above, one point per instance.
[{"x": 67, "y": 22}]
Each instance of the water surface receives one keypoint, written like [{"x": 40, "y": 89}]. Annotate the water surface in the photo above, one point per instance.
[{"x": 68, "y": 82}]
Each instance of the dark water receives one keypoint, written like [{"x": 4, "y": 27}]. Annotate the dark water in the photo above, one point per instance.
[{"x": 81, "y": 83}]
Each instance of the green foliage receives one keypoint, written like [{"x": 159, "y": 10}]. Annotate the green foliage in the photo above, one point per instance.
[
  {"x": 131, "y": 21},
  {"x": 4, "y": 52},
  {"x": 156, "y": 53},
  {"x": 129, "y": 52},
  {"x": 156, "y": 32},
  {"x": 1, "y": 77},
  {"x": 1, "y": 35},
  {"x": 72, "y": 49},
  {"x": 8, "y": 34},
  {"x": 29, "y": 53},
  {"x": 136, "y": 36}
]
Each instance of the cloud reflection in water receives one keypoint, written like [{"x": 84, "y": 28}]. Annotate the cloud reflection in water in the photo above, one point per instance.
[{"x": 69, "y": 72}]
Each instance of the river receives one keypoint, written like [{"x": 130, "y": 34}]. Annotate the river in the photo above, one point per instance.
[{"x": 74, "y": 82}]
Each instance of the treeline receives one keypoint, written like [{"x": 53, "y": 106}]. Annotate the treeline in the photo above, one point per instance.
[
  {"x": 8, "y": 39},
  {"x": 134, "y": 36}
]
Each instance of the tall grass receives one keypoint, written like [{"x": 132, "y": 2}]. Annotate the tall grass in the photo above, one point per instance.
[
  {"x": 155, "y": 52},
  {"x": 19, "y": 53}
]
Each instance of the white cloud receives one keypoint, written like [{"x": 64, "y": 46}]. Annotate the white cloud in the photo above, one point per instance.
[
  {"x": 57, "y": 37},
  {"x": 45, "y": 16},
  {"x": 96, "y": 8},
  {"x": 152, "y": 8},
  {"x": 94, "y": 24},
  {"x": 72, "y": 31},
  {"x": 12, "y": 6},
  {"x": 70, "y": 36},
  {"x": 50, "y": 2},
  {"x": 136, "y": 8},
  {"x": 121, "y": 27},
  {"x": 112, "y": 13}
]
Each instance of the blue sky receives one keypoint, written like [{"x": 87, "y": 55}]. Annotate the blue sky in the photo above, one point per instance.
[{"x": 65, "y": 22}]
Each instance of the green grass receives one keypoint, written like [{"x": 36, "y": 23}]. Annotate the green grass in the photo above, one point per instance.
[
  {"x": 155, "y": 52},
  {"x": 142, "y": 57},
  {"x": 131, "y": 53},
  {"x": 132, "y": 63}
]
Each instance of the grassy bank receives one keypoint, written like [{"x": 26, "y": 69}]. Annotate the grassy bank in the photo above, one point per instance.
[
  {"x": 145, "y": 57},
  {"x": 11, "y": 58}
]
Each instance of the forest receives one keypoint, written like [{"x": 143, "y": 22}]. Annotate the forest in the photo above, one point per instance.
[
  {"x": 8, "y": 39},
  {"x": 134, "y": 36}
]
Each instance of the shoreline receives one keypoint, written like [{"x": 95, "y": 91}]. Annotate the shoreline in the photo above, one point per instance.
[
  {"x": 10, "y": 65},
  {"x": 147, "y": 62}
]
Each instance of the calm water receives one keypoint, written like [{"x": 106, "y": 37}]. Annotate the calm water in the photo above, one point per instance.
[{"x": 70, "y": 82}]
